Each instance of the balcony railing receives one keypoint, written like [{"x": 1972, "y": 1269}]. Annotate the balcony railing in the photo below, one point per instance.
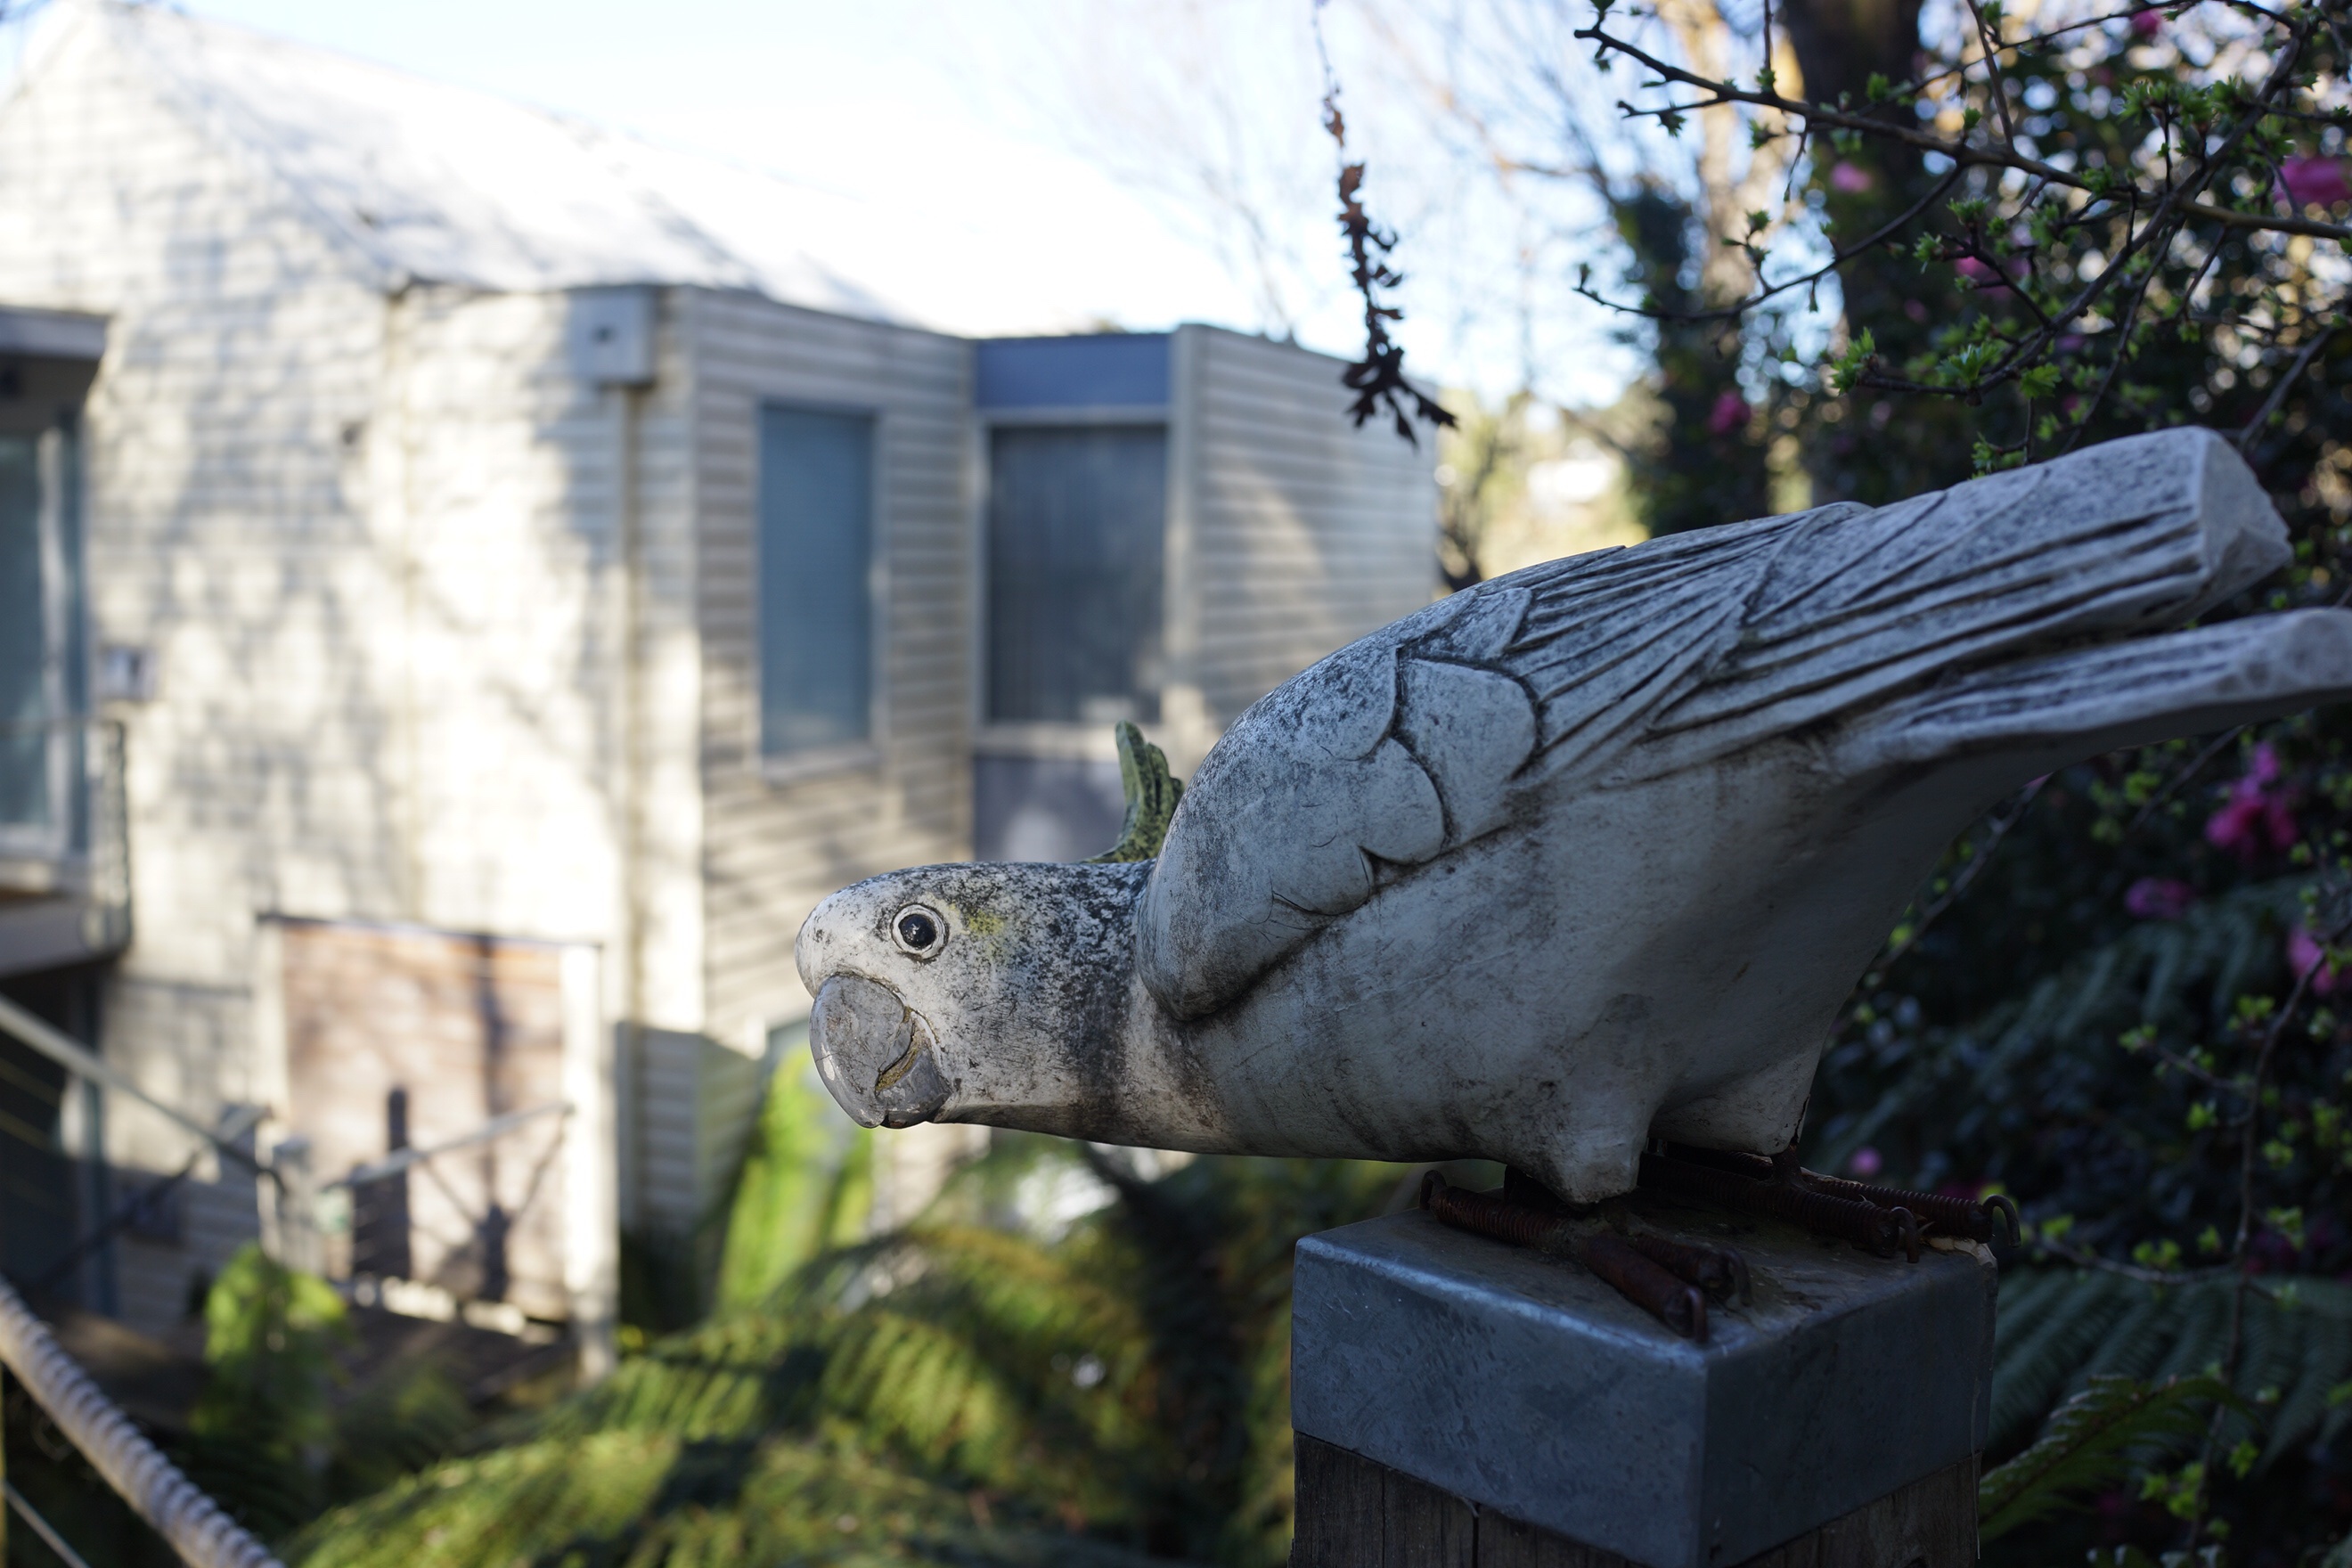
[{"x": 65, "y": 845}]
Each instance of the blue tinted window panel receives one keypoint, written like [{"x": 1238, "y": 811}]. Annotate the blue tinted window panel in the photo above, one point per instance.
[
  {"x": 23, "y": 640},
  {"x": 1077, "y": 553},
  {"x": 1114, "y": 369},
  {"x": 1044, "y": 808},
  {"x": 816, "y": 556}
]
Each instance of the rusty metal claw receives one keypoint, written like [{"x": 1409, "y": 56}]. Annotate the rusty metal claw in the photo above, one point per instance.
[
  {"x": 1908, "y": 1233},
  {"x": 1788, "y": 1197},
  {"x": 1681, "y": 1307},
  {"x": 1885, "y": 1219},
  {"x": 1719, "y": 1271},
  {"x": 1643, "y": 1273}
]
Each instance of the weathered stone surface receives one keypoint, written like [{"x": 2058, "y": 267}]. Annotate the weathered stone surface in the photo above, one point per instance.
[{"x": 1586, "y": 854}]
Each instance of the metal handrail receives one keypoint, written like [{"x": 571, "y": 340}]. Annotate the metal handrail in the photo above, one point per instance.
[
  {"x": 41, "y": 1527},
  {"x": 191, "y": 1522},
  {"x": 400, "y": 1159},
  {"x": 62, "y": 1050}
]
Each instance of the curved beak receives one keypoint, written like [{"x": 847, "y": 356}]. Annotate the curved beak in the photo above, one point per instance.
[{"x": 876, "y": 1054}]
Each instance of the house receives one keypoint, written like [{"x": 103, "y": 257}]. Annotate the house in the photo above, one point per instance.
[{"x": 470, "y": 588}]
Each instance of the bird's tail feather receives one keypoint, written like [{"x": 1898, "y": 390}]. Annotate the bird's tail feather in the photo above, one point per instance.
[
  {"x": 2118, "y": 541},
  {"x": 2049, "y": 711}
]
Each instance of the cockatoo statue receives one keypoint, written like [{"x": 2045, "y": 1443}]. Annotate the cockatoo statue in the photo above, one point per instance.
[{"x": 1583, "y": 857}]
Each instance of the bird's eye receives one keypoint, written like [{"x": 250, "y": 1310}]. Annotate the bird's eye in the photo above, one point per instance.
[{"x": 918, "y": 931}]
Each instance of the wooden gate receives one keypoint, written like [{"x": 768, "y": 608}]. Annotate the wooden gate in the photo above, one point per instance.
[{"x": 456, "y": 1087}]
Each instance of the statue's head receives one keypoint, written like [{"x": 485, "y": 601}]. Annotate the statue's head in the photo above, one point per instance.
[{"x": 968, "y": 992}]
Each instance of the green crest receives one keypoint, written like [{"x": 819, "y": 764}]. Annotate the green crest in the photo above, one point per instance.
[{"x": 1152, "y": 796}]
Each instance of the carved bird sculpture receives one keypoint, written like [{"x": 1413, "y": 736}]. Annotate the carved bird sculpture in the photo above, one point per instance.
[{"x": 1580, "y": 857}]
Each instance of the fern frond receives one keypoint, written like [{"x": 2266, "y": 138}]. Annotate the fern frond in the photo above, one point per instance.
[
  {"x": 2092, "y": 1439},
  {"x": 2304, "y": 1412},
  {"x": 2138, "y": 1342},
  {"x": 2153, "y": 1333},
  {"x": 2037, "y": 1355}
]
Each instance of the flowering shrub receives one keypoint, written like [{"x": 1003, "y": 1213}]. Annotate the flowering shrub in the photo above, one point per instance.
[
  {"x": 2257, "y": 817},
  {"x": 2119, "y": 196}
]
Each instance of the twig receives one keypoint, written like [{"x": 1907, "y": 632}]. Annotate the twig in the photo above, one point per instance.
[
  {"x": 1967, "y": 875},
  {"x": 2083, "y": 1257},
  {"x": 2196, "y": 766},
  {"x": 1987, "y": 41},
  {"x": 1962, "y": 150},
  {"x": 2249, "y": 1141},
  {"x": 1878, "y": 238},
  {"x": 1377, "y": 379},
  {"x": 2279, "y": 389}
]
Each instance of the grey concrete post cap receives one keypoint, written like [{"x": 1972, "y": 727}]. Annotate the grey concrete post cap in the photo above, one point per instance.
[{"x": 1529, "y": 1387}]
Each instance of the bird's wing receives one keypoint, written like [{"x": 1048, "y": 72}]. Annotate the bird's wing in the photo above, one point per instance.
[
  {"x": 1412, "y": 742},
  {"x": 1605, "y": 669}
]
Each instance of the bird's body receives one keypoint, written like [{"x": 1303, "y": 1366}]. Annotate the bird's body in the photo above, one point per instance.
[{"x": 1583, "y": 856}]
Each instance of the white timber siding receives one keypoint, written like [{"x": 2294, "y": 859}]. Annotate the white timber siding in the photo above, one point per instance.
[
  {"x": 1291, "y": 532},
  {"x": 223, "y": 531},
  {"x": 377, "y": 538},
  {"x": 775, "y": 842},
  {"x": 450, "y": 631}
]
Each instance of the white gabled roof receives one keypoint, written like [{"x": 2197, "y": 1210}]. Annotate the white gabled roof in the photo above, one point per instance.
[{"x": 441, "y": 184}]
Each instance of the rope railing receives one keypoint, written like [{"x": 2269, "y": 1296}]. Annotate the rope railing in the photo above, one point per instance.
[{"x": 191, "y": 1522}]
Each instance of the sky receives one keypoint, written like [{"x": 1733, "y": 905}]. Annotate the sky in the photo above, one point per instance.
[{"x": 1024, "y": 148}]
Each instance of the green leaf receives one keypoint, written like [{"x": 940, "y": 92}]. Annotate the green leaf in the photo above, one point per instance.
[
  {"x": 1849, "y": 365},
  {"x": 2093, "y": 1440}
]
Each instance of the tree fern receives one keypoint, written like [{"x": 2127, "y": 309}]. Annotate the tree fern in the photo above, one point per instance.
[
  {"x": 804, "y": 1188},
  {"x": 960, "y": 1392},
  {"x": 2059, "y": 1329}
]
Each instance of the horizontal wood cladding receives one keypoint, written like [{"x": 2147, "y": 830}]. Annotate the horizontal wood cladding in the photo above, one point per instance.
[
  {"x": 1307, "y": 533},
  {"x": 775, "y": 844}
]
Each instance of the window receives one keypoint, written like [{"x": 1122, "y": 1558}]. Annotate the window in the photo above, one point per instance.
[
  {"x": 40, "y": 641},
  {"x": 1077, "y": 526},
  {"x": 816, "y": 597}
]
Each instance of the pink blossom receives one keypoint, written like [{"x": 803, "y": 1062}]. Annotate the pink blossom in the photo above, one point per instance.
[
  {"x": 1849, "y": 178},
  {"x": 1730, "y": 412},
  {"x": 2305, "y": 956},
  {"x": 1866, "y": 1162},
  {"x": 1916, "y": 308},
  {"x": 2257, "y": 816},
  {"x": 2315, "y": 182},
  {"x": 2158, "y": 898},
  {"x": 2146, "y": 24}
]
